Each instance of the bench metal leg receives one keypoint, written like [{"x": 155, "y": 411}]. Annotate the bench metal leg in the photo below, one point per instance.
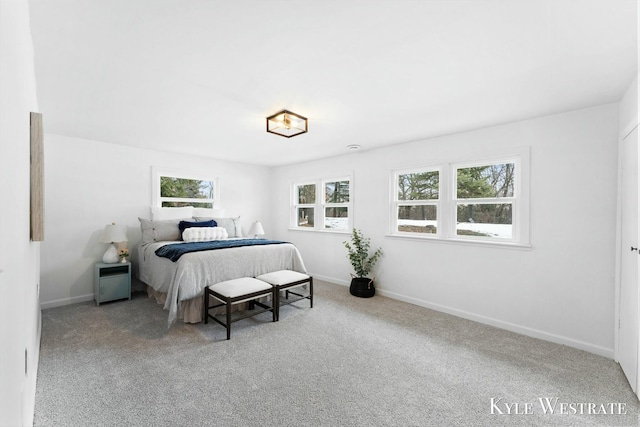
[
  {"x": 228, "y": 319},
  {"x": 205, "y": 311},
  {"x": 288, "y": 292}
]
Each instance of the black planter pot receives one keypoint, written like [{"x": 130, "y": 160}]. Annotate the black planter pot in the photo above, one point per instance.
[{"x": 362, "y": 287}]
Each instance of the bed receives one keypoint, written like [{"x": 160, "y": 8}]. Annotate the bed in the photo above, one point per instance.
[{"x": 178, "y": 285}]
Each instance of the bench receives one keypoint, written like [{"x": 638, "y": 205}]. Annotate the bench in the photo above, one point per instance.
[
  {"x": 284, "y": 280},
  {"x": 236, "y": 291}
]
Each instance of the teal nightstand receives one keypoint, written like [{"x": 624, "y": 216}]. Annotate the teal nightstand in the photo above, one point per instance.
[{"x": 112, "y": 282}]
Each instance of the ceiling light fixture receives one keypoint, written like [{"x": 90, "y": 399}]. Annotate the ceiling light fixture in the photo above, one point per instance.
[{"x": 287, "y": 124}]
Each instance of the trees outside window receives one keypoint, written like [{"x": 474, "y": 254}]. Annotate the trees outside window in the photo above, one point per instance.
[
  {"x": 305, "y": 201},
  {"x": 486, "y": 200},
  {"x": 328, "y": 209},
  {"x": 186, "y": 192},
  {"x": 336, "y": 204},
  {"x": 417, "y": 201},
  {"x": 175, "y": 188}
]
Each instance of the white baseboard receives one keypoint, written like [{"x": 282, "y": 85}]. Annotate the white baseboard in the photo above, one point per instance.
[
  {"x": 66, "y": 301},
  {"x": 524, "y": 330},
  {"x": 331, "y": 280}
]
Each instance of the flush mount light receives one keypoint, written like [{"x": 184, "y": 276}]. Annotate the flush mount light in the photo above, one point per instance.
[{"x": 287, "y": 124}]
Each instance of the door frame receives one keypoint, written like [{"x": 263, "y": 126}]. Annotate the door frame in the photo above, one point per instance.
[{"x": 619, "y": 254}]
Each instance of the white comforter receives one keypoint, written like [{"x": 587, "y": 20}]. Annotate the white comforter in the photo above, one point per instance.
[{"x": 187, "y": 277}]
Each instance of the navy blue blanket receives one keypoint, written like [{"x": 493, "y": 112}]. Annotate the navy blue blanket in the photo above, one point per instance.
[{"x": 174, "y": 251}]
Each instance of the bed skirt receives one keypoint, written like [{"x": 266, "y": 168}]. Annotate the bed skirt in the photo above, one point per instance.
[{"x": 190, "y": 311}]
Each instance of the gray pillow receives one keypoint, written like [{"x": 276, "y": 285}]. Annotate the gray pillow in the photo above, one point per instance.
[
  {"x": 232, "y": 225},
  {"x": 160, "y": 230}
]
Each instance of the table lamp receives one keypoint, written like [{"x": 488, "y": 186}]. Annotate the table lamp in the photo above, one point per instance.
[
  {"x": 112, "y": 234},
  {"x": 256, "y": 229}
]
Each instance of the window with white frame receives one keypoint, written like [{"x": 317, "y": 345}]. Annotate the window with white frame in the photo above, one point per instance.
[
  {"x": 417, "y": 199},
  {"x": 486, "y": 200},
  {"x": 322, "y": 204},
  {"x": 173, "y": 188},
  {"x": 305, "y": 204}
]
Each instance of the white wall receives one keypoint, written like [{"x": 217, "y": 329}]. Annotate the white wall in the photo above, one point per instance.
[
  {"x": 90, "y": 184},
  {"x": 628, "y": 111},
  {"x": 562, "y": 289},
  {"x": 19, "y": 257}
]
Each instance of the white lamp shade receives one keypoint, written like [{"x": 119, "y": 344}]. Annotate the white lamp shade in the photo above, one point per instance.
[
  {"x": 256, "y": 229},
  {"x": 113, "y": 233}
]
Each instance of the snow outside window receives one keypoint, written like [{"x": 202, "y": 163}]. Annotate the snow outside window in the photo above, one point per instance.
[
  {"x": 484, "y": 201},
  {"x": 417, "y": 199},
  {"x": 322, "y": 204}
]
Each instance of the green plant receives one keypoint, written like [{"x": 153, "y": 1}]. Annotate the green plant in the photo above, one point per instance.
[{"x": 358, "y": 253}]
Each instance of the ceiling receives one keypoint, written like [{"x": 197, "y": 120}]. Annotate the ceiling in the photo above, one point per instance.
[{"x": 201, "y": 76}]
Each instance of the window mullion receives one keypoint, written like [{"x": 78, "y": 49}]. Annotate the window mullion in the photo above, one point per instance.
[
  {"x": 319, "y": 207},
  {"x": 185, "y": 199},
  {"x": 486, "y": 200},
  {"x": 447, "y": 216}
]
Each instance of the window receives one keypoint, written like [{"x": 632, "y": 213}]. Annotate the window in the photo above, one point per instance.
[
  {"x": 322, "y": 204},
  {"x": 484, "y": 201},
  {"x": 417, "y": 201},
  {"x": 305, "y": 205},
  {"x": 181, "y": 188},
  {"x": 336, "y": 204}
]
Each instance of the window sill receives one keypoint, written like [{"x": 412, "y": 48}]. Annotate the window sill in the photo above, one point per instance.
[
  {"x": 315, "y": 230},
  {"x": 466, "y": 242}
]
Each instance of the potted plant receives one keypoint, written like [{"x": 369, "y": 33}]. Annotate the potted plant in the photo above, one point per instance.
[{"x": 362, "y": 262}]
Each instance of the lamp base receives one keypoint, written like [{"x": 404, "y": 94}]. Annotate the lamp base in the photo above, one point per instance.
[{"x": 111, "y": 255}]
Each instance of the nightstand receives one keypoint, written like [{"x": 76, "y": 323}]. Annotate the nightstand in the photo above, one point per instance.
[{"x": 112, "y": 282}]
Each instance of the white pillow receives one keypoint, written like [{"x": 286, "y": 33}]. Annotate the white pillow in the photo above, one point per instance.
[
  {"x": 204, "y": 234},
  {"x": 231, "y": 224},
  {"x": 171, "y": 213},
  {"x": 214, "y": 213}
]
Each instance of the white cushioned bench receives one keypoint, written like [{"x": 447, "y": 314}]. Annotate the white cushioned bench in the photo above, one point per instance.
[
  {"x": 284, "y": 280},
  {"x": 236, "y": 291}
]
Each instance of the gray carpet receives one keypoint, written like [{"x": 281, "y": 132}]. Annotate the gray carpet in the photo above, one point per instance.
[{"x": 346, "y": 362}]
